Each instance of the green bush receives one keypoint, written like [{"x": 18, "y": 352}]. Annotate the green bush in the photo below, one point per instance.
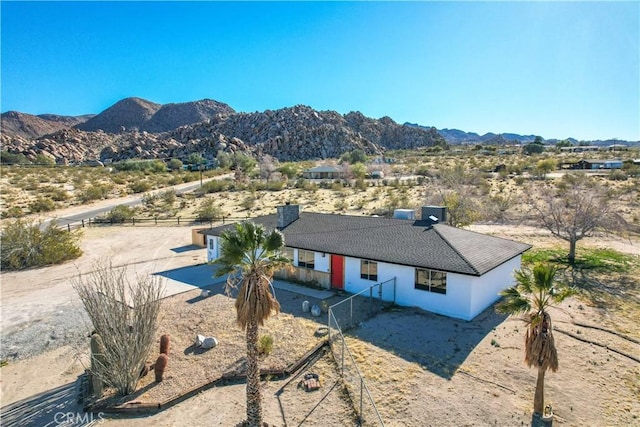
[
  {"x": 207, "y": 211},
  {"x": 25, "y": 245},
  {"x": 94, "y": 192},
  {"x": 175, "y": 164},
  {"x": 7, "y": 158},
  {"x": 265, "y": 345},
  {"x": 140, "y": 186},
  {"x": 121, "y": 213},
  {"x": 42, "y": 205},
  {"x": 56, "y": 194},
  {"x": 13, "y": 212}
]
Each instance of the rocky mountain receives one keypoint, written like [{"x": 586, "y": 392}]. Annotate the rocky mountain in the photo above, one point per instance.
[
  {"x": 457, "y": 136},
  {"x": 172, "y": 116},
  {"x": 126, "y": 114},
  {"x": 30, "y": 126},
  {"x": 132, "y": 114},
  {"x": 293, "y": 133}
]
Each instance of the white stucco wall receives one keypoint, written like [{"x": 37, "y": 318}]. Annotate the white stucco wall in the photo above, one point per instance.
[
  {"x": 321, "y": 263},
  {"x": 485, "y": 289},
  {"x": 213, "y": 253},
  {"x": 466, "y": 297},
  {"x": 455, "y": 303}
]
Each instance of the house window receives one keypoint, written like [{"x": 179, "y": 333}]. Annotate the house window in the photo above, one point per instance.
[
  {"x": 368, "y": 270},
  {"x": 305, "y": 258},
  {"x": 287, "y": 252},
  {"x": 211, "y": 243},
  {"x": 432, "y": 281}
]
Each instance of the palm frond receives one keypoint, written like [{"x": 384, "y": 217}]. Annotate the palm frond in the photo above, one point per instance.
[
  {"x": 513, "y": 302},
  {"x": 251, "y": 256}
]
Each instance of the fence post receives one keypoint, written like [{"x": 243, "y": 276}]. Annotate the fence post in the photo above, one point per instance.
[
  {"x": 361, "y": 387},
  {"x": 351, "y": 313},
  {"x": 69, "y": 228},
  {"x": 156, "y": 218},
  {"x": 371, "y": 301},
  {"x": 342, "y": 356},
  {"x": 83, "y": 223},
  {"x": 178, "y": 220}
]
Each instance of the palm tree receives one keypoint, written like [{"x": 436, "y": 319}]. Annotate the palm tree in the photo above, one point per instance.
[
  {"x": 535, "y": 291},
  {"x": 250, "y": 256}
]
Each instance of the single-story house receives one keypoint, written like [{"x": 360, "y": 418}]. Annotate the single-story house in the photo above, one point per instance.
[
  {"x": 323, "y": 172},
  {"x": 442, "y": 269},
  {"x": 598, "y": 164}
]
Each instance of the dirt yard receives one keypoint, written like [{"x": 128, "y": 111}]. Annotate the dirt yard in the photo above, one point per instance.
[{"x": 421, "y": 369}]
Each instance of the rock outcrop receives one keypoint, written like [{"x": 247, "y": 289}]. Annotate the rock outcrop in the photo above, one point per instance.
[{"x": 288, "y": 134}]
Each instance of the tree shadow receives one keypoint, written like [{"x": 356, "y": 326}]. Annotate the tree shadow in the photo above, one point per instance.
[{"x": 53, "y": 407}]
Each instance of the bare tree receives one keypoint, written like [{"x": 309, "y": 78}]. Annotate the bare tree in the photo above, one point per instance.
[
  {"x": 125, "y": 316},
  {"x": 575, "y": 209},
  {"x": 268, "y": 166}
]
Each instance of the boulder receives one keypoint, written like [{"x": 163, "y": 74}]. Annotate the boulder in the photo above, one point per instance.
[
  {"x": 205, "y": 342},
  {"x": 315, "y": 310}
]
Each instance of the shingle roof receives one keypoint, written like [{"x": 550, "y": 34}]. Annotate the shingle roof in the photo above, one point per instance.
[{"x": 396, "y": 241}]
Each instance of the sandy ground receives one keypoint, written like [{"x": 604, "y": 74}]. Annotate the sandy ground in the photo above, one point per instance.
[{"x": 421, "y": 369}]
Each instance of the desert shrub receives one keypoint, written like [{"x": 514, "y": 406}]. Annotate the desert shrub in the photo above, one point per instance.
[
  {"x": 93, "y": 192},
  {"x": 56, "y": 194},
  {"x": 7, "y": 158},
  {"x": 13, "y": 212},
  {"x": 25, "y": 245},
  {"x": 149, "y": 200},
  {"x": 249, "y": 201},
  {"x": 175, "y": 164},
  {"x": 519, "y": 180},
  {"x": 128, "y": 332},
  {"x": 121, "y": 213},
  {"x": 337, "y": 186},
  {"x": 341, "y": 205},
  {"x": 216, "y": 186},
  {"x": 140, "y": 186},
  {"x": 168, "y": 197},
  {"x": 44, "y": 160},
  {"x": 153, "y": 166},
  {"x": 265, "y": 345},
  {"x": 208, "y": 211},
  {"x": 42, "y": 205},
  {"x": 617, "y": 175}
]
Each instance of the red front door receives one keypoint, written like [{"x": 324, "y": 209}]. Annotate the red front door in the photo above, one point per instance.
[{"x": 337, "y": 271}]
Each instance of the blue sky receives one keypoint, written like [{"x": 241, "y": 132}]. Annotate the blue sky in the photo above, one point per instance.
[{"x": 556, "y": 69}]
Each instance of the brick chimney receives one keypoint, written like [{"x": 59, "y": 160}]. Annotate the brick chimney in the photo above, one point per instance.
[
  {"x": 434, "y": 214},
  {"x": 287, "y": 214}
]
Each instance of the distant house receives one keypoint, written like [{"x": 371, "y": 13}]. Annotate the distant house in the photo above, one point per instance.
[
  {"x": 580, "y": 148},
  {"x": 323, "y": 172},
  {"x": 442, "y": 269},
  {"x": 598, "y": 164}
]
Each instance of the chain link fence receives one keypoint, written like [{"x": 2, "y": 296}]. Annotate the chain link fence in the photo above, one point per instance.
[{"x": 350, "y": 313}]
